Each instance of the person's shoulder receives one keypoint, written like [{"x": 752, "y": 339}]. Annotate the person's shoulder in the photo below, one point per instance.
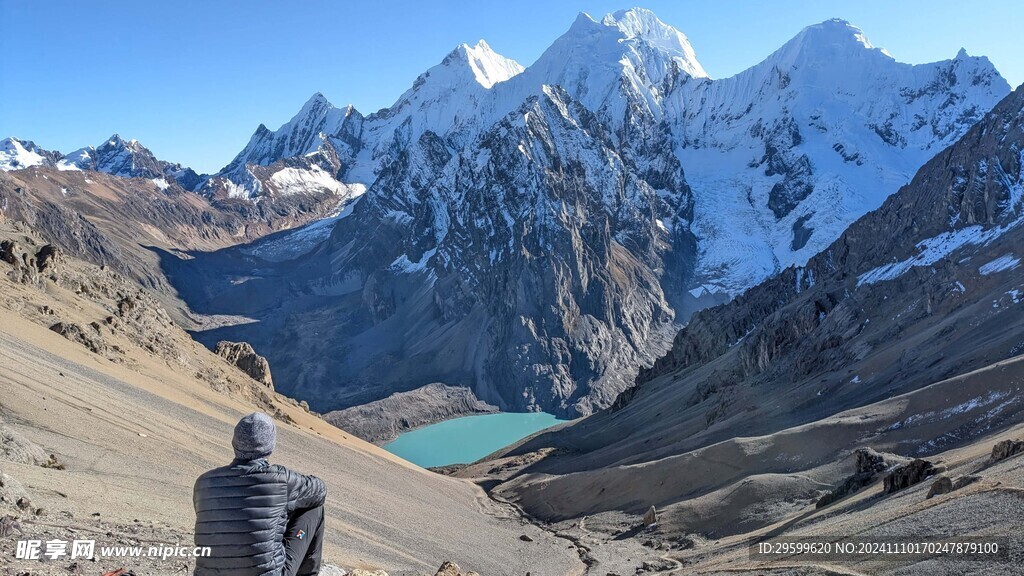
[
  {"x": 218, "y": 472},
  {"x": 279, "y": 470}
]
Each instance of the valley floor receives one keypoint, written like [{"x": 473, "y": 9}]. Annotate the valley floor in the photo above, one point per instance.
[{"x": 748, "y": 490}]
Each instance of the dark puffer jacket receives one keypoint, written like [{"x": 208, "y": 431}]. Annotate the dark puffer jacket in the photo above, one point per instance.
[{"x": 242, "y": 512}]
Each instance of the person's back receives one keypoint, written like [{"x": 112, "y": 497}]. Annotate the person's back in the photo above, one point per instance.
[{"x": 258, "y": 519}]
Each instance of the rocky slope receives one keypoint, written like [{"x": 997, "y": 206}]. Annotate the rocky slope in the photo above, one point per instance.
[
  {"x": 130, "y": 224},
  {"x": 104, "y": 428},
  {"x": 115, "y": 156},
  {"x": 383, "y": 420},
  {"x": 538, "y": 234},
  {"x": 129, "y": 159},
  {"x": 902, "y": 334}
]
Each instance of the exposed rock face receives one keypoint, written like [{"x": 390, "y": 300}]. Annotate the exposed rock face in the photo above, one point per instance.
[
  {"x": 908, "y": 474},
  {"x": 918, "y": 292},
  {"x": 869, "y": 464},
  {"x": 1006, "y": 448},
  {"x": 890, "y": 276},
  {"x": 383, "y": 420},
  {"x": 89, "y": 337},
  {"x": 29, "y": 264},
  {"x": 242, "y": 355}
]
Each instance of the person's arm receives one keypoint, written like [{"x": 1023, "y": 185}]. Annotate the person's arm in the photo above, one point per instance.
[{"x": 304, "y": 491}]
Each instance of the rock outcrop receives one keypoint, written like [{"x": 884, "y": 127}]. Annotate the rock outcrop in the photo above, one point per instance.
[
  {"x": 242, "y": 355},
  {"x": 1006, "y": 449},
  {"x": 28, "y": 263},
  {"x": 945, "y": 485},
  {"x": 908, "y": 475},
  {"x": 383, "y": 420},
  {"x": 89, "y": 337},
  {"x": 868, "y": 465}
]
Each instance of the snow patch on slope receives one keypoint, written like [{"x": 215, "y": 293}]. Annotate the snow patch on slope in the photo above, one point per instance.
[
  {"x": 289, "y": 181},
  {"x": 16, "y": 155},
  {"x": 1001, "y": 264},
  {"x": 936, "y": 248}
]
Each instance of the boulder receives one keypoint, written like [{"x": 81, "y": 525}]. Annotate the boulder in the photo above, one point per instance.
[
  {"x": 12, "y": 493},
  {"x": 332, "y": 570},
  {"x": 8, "y": 526},
  {"x": 16, "y": 448},
  {"x": 1006, "y": 449},
  {"x": 23, "y": 266},
  {"x": 361, "y": 572},
  {"x": 452, "y": 569},
  {"x": 49, "y": 258},
  {"x": 90, "y": 338},
  {"x": 10, "y": 252},
  {"x": 945, "y": 485},
  {"x": 242, "y": 355},
  {"x": 908, "y": 474},
  {"x": 651, "y": 517},
  {"x": 448, "y": 569}
]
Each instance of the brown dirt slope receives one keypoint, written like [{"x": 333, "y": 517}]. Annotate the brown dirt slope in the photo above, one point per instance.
[{"x": 133, "y": 416}]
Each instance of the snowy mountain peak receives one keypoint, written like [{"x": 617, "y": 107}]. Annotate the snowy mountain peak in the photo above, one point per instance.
[
  {"x": 488, "y": 67},
  {"x": 116, "y": 142},
  {"x": 316, "y": 104},
  {"x": 644, "y": 24},
  {"x": 16, "y": 154},
  {"x": 827, "y": 43},
  {"x": 127, "y": 159}
]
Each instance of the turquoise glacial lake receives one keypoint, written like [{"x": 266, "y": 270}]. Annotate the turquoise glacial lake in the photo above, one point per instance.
[{"x": 467, "y": 439}]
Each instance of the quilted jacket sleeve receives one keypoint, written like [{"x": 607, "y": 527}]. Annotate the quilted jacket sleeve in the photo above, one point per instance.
[{"x": 304, "y": 491}]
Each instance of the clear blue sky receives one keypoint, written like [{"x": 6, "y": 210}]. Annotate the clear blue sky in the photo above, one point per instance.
[{"x": 192, "y": 79}]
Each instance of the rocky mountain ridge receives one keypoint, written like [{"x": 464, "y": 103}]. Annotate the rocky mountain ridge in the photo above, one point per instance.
[
  {"x": 925, "y": 289},
  {"x": 115, "y": 156},
  {"x": 541, "y": 237},
  {"x": 537, "y": 234}
]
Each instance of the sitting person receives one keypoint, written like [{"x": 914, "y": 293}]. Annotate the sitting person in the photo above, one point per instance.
[{"x": 257, "y": 518}]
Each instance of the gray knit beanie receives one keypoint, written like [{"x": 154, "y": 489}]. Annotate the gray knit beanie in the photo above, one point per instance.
[{"x": 255, "y": 437}]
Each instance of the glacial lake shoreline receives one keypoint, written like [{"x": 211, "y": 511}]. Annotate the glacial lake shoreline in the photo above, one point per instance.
[{"x": 466, "y": 439}]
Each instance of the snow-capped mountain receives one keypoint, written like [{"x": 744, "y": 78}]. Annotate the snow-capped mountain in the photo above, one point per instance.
[
  {"x": 538, "y": 234},
  {"x": 115, "y": 156},
  {"x": 340, "y": 140},
  {"x": 17, "y": 154},
  {"x": 129, "y": 159},
  {"x": 784, "y": 156}
]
